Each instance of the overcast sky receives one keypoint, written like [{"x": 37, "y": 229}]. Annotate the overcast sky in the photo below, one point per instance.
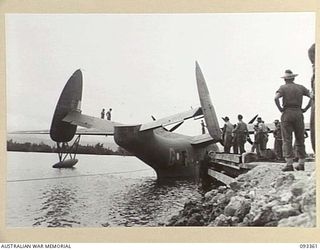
[{"x": 144, "y": 64}]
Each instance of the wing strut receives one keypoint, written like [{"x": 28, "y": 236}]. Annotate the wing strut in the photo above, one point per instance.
[{"x": 64, "y": 150}]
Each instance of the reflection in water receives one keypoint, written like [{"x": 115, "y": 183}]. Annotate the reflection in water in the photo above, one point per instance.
[
  {"x": 101, "y": 191},
  {"x": 151, "y": 203},
  {"x": 57, "y": 208}
]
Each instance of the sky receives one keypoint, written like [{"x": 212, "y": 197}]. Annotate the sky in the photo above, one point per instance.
[{"x": 144, "y": 64}]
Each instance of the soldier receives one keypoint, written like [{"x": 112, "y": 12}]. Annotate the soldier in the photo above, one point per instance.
[
  {"x": 257, "y": 137},
  {"x": 240, "y": 133},
  {"x": 108, "y": 114},
  {"x": 102, "y": 113},
  {"x": 292, "y": 118},
  {"x": 277, "y": 140},
  {"x": 262, "y": 137},
  {"x": 227, "y": 135}
]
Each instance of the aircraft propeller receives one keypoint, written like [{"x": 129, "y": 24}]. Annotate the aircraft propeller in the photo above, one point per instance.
[{"x": 250, "y": 122}]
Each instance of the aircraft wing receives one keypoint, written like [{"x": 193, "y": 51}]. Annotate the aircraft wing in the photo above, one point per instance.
[
  {"x": 31, "y": 132},
  {"x": 271, "y": 127},
  {"x": 81, "y": 131},
  {"x": 94, "y": 125},
  {"x": 180, "y": 117}
]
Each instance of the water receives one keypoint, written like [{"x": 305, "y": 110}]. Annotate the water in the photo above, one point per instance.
[{"x": 100, "y": 191}]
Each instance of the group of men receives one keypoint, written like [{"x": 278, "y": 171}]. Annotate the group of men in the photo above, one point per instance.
[
  {"x": 235, "y": 135},
  {"x": 107, "y": 115},
  {"x": 292, "y": 122}
]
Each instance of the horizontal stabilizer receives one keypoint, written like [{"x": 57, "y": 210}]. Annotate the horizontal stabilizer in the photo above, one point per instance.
[
  {"x": 180, "y": 117},
  {"x": 93, "y": 124}
]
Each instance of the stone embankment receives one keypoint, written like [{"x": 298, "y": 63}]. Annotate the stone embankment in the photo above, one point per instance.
[{"x": 265, "y": 196}]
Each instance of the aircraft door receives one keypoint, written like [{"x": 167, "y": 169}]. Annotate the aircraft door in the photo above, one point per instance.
[{"x": 184, "y": 158}]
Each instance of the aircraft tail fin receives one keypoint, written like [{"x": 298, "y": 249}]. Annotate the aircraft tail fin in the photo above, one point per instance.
[
  {"x": 70, "y": 99},
  {"x": 207, "y": 107},
  {"x": 67, "y": 115}
]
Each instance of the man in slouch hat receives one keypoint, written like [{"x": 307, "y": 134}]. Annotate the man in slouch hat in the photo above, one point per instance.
[{"x": 292, "y": 120}]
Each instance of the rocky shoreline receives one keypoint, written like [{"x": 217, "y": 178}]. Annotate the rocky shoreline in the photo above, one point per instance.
[{"x": 265, "y": 196}]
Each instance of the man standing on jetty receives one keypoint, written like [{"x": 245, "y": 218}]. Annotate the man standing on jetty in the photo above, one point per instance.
[
  {"x": 227, "y": 134},
  {"x": 292, "y": 118},
  {"x": 240, "y": 134}
]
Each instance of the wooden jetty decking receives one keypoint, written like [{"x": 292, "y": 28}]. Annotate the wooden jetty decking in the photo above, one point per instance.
[{"x": 226, "y": 167}]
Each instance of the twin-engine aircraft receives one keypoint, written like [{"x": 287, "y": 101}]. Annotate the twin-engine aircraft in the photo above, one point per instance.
[{"x": 169, "y": 154}]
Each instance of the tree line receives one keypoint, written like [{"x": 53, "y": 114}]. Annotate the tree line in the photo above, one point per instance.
[{"x": 96, "y": 149}]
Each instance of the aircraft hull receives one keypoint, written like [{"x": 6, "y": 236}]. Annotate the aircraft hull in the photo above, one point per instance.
[{"x": 170, "y": 155}]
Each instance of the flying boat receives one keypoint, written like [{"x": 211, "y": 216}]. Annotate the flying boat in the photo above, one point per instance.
[{"x": 170, "y": 154}]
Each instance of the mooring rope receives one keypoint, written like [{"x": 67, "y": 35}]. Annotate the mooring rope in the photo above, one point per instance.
[{"x": 75, "y": 176}]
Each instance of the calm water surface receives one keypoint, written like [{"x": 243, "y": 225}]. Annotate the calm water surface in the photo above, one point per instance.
[{"x": 100, "y": 191}]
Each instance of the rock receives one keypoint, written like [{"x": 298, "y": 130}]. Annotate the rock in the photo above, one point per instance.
[
  {"x": 194, "y": 210},
  {"x": 303, "y": 220},
  {"x": 285, "y": 179},
  {"x": 297, "y": 189},
  {"x": 285, "y": 211},
  {"x": 195, "y": 220},
  {"x": 209, "y": 195},
  {"x": 271, "y": 204},
  {"x": 181, "y": 222},
  {"x": 218, "y": 198},
  {"x": 285, "y": 197},
  {"x": 235, "y": 220},
  {"x": 221, "y": 220},
  {"x": 238, "y": 206},
  {"x": 262, "y": 218},
  {"x": 271, "y": 224},
  {"x": 264, "y": 196},
  {"x": 244, "y": 210},
  {"x": 235, "y": 186},
  {"x": 230, "y": 193},
  {"x": 221, "y": 189}
]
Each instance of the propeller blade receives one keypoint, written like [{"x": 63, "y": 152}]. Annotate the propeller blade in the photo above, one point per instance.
[
  {"x": 176, "y": 126},
  {"x": 249, "y": 140},
  {"x": 253, "y": 119}
]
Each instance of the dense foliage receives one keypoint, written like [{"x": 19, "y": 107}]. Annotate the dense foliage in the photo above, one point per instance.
[{"x": 88, "y": 149}]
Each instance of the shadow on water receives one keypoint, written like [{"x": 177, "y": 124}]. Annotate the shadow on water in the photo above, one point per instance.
[
  {"x": 57, "y": 208},
  {"x": 152, "y": 202}
]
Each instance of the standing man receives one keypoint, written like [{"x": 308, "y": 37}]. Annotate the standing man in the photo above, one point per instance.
[
  {"x": 102, "y": 113},
  {"x": 277, "y": 140},
  {"x": 108, "y": 114},
  {"x": 240, "y": 133},
  {"x": 292, "y": 119},
  {"x": 263, "y": 137},
  {"x": 257, "y": 137},
  {"x": 227, "y": 135}
]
